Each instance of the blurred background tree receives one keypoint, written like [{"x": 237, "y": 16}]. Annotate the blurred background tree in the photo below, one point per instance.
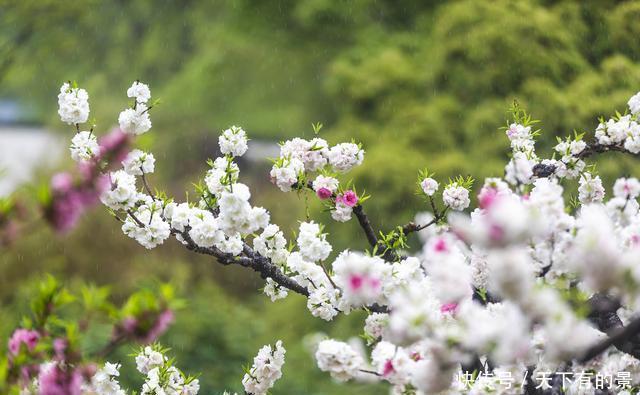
[{"x": 419, "y": 83}]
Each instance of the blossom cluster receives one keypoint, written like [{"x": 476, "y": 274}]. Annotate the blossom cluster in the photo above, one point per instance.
[
  {"x": 300, "y": 158},
  {"x": 502, "y": 287},
  {"x": 266, "y": 370}
]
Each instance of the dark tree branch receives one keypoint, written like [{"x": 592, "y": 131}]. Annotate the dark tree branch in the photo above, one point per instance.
[
  {"x": 253, "y": 260},
  {"x": 603, "y": 314},
  {"x": 365, "y": 224},
  {"x": 597, "y": 148},
  {"x": 618, "y": 336},
  {"x": 413, "y": 227}
]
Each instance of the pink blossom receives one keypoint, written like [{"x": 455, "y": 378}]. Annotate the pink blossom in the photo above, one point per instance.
[
  {"x": 496, "y": 233},
  {"x": 28, "y": 337},
  {"x": 55, "y": 381},
  {"x": 388, "y": 368},
  {"x": 136, "y": 328},
  {"x": 161, "y": 325},
  {"x": 114, "y": 145},
  {"x": 487, "y": 197},
  {"x": 65, "y": 210},
  {"x": 62, "y": 182},
  {"x": 356, "y": 282},
  {"x": 441, "y": 246},
  {"x": 449, "y": 307},
  {"x": 349, "y": 198},
  {"x": 323, "y": 193},
  {"x": 60, "y": 346}
]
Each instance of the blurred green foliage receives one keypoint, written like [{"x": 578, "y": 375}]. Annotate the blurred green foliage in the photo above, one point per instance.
[{"x": 419, "y": 83}]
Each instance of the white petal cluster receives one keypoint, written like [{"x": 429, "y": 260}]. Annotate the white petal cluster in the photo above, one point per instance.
[
  {"x": 161, "y": 376},
  {"x": 626, "y": 188},
  {"x": 345, "y": 156},
  {"x": 135, "y": 121},
  {"x": 84, "y": 146},
  {"x": 233, "y": 141},
  {"x": 456, "y": 197},
  {"x": 122, "y": 194},
  {"x": 416, "y": 312},
  {"x": 285, "y": 174},
  {"x": 429, "y": 186},
  {"x": 149, "y": 227},
  {"x": 73, "y": 104},
  {"x": 520, "y": 136},
  {"x": 312, "y": 153},
  {"x": 149, "y": 359},
  {"x": 312, "y": 242},
  {"x": 360, "y": 277},
  {"x": 139, "y": 91},
  {"x": 138, "y": 163},
  {"x": 298, "y": 156},
  {"x": 266, "y": 369},
  {"x": 450, "y": 275},
  {"x": 519, "y": 170},
  {"x": 634, "y": 104},
  {"x": 222, "y": 174},
  {"x": 272, "y": 244},
  {"x": 205, "y": 229},
  {"x": 339, "y": 359},
  {"x": 341, "y": 212},
  {"x": 105, "y": 380},
  {"x": 376, "y": 325},
  {"x": 591, "y": 189},
  {"x": 329, "y": 183},
  {"x": 274, "y": 291},
  {"x": 237, "y": 216}
]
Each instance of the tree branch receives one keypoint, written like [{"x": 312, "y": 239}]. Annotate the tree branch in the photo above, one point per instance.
[
  {"x": 618, "y": 336},
  {"x": 364, "y": 222},
  {"x": 603, "y": 314}
]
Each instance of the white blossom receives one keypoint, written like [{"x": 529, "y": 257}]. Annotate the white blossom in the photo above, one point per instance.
[
  {"x": 634, "y": 103},
  {"x": 286, "y": 174},
  {"x": 626, "y": 188},
  {"x": 138, "y": 162},
  {"x": 329, "y": 183},
  {"x": 345, "y": 156},
  {"x": 456, "y": 197},
  {"x": 122, "y": 194},
  {"x": 139, "y": 91},
  {"x": 233, "y": 141},
  {"x": 312, "y": 242},
  {"x": 591, "y": 189},
  {"x": 429, "y": 186},
  {"x": 73, "y": 104},
  {"x": 135, "y": 121},
  {"x": 84, "y": 146},
  {"x": 266, "y": 369},
  {"x": 360, "y": 277},
  {"x": 339, "y": 359}
]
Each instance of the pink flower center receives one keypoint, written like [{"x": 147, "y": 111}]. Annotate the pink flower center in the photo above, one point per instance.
[
  {"x": 323, "y": 193},
  {"x": 349, "y": 198},
  {"x": 496, "y": 233},
  {"x": 356, "y": 282},
  {"x": 449, "y": 307},
  {"x": 441, "y": 246},
  {"x": 388, "y": 368},
  {"x": 487, "y": 197}
]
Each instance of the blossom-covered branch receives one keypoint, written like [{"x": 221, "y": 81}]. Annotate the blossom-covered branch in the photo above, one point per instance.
[{"x": 511, "y": 290}]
